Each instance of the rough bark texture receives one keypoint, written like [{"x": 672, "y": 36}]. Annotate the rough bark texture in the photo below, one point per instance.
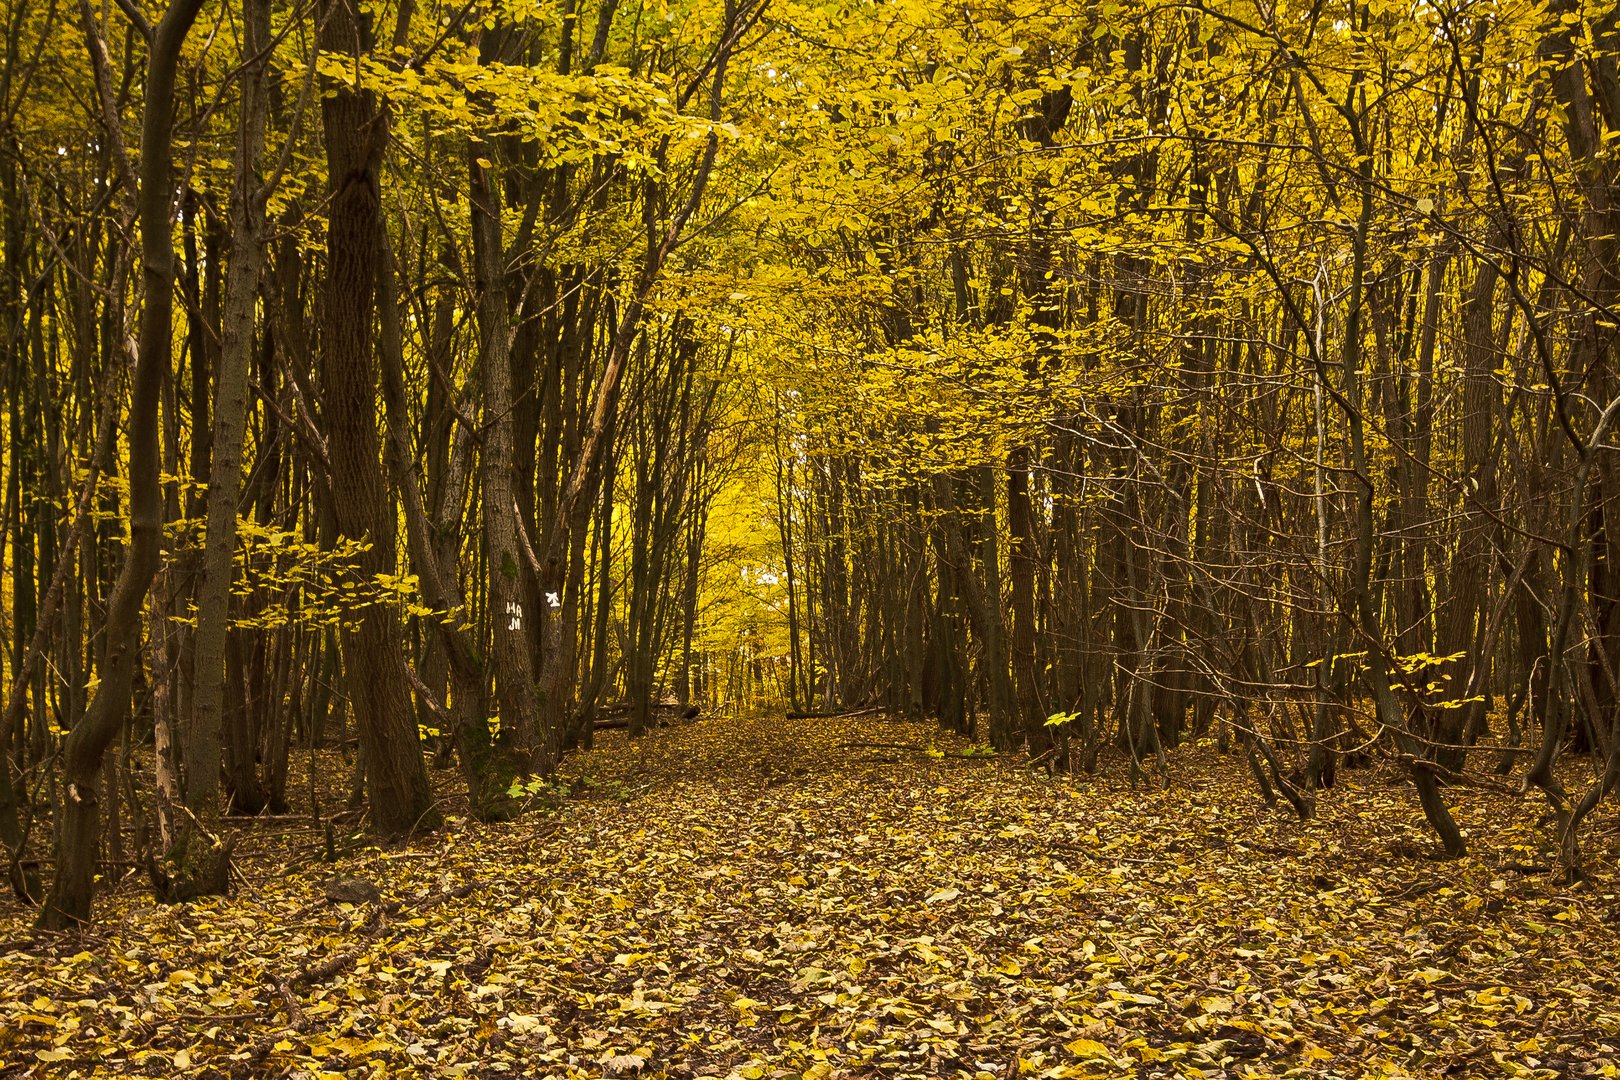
[
  {"x": 510, "y": 659},
  {"x": 373, "y": 656}
]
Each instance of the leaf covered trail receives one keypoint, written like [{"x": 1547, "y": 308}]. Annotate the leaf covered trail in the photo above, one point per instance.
[{"x": 770, "y": 898}]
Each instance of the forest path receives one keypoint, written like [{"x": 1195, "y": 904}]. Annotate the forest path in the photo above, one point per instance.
[{"x": 767, "y": 898}]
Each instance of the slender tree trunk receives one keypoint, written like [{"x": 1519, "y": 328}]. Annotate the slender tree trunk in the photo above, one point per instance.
[
  {"x": 83, "y": 751},
  {"x": 487, "y": 761},
  {"x": 196, "y": 863}
]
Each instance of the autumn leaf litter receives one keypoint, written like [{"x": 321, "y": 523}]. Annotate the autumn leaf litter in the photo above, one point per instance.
[{"x": 765, "y": 898}]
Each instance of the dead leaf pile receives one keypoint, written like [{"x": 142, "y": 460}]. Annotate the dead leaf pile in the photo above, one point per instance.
[{"x": 761, "y": 898}]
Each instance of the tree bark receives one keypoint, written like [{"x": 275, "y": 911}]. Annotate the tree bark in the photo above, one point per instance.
[
  {"x": 356, "y": 130},
  {"x": 83, "y": 751},
  {"x": 513, "y": 667},
  {"x": 195, "y": 863}
]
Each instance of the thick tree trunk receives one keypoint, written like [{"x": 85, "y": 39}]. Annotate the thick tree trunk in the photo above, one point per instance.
[
  {"x": 510, "y": 659},
  {"x": 395, "y": 773}
]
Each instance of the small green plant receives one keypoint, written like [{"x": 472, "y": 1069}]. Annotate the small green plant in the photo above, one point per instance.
[
  {"x": 617, "y": 790},
  {"x": 585, "y": 787},
  {"x": 537, "y": 789}
]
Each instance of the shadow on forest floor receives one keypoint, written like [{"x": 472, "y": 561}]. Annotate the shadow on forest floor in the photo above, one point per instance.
[{"x": 821, "y": 898}]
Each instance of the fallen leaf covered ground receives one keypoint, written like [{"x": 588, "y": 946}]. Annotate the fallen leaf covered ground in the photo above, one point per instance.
[{"x": 822, "y": 898}]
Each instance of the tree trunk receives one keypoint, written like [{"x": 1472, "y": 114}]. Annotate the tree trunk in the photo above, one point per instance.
[
  {"x": 509, "y": 655},
  {"x": 79, "y": 821},
  {"x": 196, "y": 864},
  {"x": 356, "y": 129}
]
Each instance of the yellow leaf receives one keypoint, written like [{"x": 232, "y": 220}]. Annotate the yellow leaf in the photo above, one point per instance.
[
  {"x": 1510, "y": 1067},
  {"x": 1134, "y": 998},
  {"x": 1086, "y": 1048}
]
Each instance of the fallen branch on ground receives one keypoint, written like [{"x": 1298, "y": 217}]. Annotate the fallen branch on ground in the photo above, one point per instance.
[
  {"x": 833, "y": 714},
  {"x": 312, "y": 975}
]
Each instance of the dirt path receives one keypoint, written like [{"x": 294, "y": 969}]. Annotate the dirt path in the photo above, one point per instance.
[{"x": 764, "y": 898}]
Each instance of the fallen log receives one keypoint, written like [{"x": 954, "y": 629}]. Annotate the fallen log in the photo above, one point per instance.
[
  {"x": 834, "y": 714},
  {"x": 617, "y": 717}
]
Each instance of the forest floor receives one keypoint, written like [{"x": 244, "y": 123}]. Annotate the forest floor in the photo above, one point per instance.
[{"x": 762, "y": 898}]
